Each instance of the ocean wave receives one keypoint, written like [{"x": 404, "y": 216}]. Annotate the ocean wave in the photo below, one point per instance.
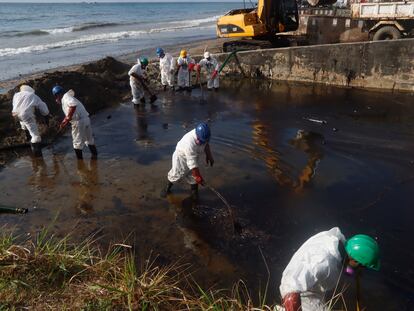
[{"x": 107, "y": 37}]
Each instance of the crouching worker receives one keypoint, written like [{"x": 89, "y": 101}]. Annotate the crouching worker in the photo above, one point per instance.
[
  {"x": 138, "y": 84},
  {"x": 316, "y": 268},
  {"x": 185, "y": 160},
  {"x": 76, "y": 114},
  {"x": 25, "y": 103}
]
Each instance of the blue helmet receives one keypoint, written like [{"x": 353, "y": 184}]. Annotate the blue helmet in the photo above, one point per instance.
[
  {"x": 57, "y": 90},
  {"x": 159, "y": 52},
  {"x": 203, "y": 132}
]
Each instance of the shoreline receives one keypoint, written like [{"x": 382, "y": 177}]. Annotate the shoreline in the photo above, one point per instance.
[{"x": 196, "y": 46}]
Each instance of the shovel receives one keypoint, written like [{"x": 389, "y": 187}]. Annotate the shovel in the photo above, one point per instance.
[
  {"x": 237, "y": 227},
  {"x": 153, "y": 97}
]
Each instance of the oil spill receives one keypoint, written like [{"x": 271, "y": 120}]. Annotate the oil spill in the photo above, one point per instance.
[{"x": 285, "y": 177}]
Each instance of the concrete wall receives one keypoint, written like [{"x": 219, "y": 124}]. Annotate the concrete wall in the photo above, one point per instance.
[{"x": 379, "y": 65}]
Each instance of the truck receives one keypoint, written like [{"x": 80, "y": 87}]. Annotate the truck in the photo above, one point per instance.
[
  {"x": 315, "y": 22},
  {"x": 358, "y": 21}
]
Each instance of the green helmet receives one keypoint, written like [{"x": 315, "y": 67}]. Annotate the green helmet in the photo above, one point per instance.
[
  {"x": 143, "y": 61},
  {"x": 363, "y": 249}
]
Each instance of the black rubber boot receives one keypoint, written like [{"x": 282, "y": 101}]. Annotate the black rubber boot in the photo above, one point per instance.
[
  {"x": 36, "y": 149},
  {"x": 79, "y": 155},
  {"x": 194, "y": 191},
  {"x": 166, "y": 190},
  {"x": 165, "y": 87},
  {"x": 28, "y": 137},
  {"x": 94, "y": 152},
  {"x": 142, "y": 100}
]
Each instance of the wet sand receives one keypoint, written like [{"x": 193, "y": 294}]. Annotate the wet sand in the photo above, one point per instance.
[{"x": 355, "y": 171}]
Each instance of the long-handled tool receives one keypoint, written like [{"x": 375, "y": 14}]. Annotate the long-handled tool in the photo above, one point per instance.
[
  {"x": 198, "y": 80},
  {"x": 153, "y": 97},
  {"x": 358, "y": 291},
  {"x": 12, "y": 210},
  {"x": 237, "y": 227}
]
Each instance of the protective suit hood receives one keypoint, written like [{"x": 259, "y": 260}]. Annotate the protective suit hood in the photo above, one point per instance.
[{"x": 26, "y": 88}]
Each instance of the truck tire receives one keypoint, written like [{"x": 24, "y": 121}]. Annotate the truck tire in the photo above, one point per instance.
[{"x": 387, "y": 33}]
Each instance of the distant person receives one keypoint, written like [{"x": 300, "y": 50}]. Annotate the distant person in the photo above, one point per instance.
[
  {"x": 186, "y": 159},
  {"x": 316, "y": 267},
  {"x": 166, "y": 68},
  {"x": 185, "y": 64},
  {"x": 212, "y": 67},
  {"x": 138, "y": 83},
  {"x": 78, "y": 117},
  {"x": 25, "y": 102}
]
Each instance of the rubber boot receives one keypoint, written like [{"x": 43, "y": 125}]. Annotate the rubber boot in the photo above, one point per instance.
[
  {"x": 28, "y": 137},
  {"x": 194, "y": 191},
  {"x": 166, "y": 190},
  {"x": 142, "y": 100},
  {"x": 94, "y": 152},
  {"x": 36, "y": 149},
  {"x": 165, "y": 87},
  {"x": 79, "y": 155}
]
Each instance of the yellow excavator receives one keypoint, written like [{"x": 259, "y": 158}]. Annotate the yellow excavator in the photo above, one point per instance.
[{"x": 258, "y": 27}]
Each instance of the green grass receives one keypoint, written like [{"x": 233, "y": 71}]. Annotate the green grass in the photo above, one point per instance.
[{"x": 50, "y": 273}]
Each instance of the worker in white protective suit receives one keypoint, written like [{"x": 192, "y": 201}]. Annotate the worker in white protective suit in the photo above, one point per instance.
[
  {"x": 186, "y": 159},
  {"x": 138, "y": 83},
  {"x": 166, "y": 68},
  {"x": 212, "y": 68},
  {"x": 185, "y": 65},
  {"x": 78, "y": 117},
  {"x": 316, "y": 267},
  {"x": 25, "y": 103}
]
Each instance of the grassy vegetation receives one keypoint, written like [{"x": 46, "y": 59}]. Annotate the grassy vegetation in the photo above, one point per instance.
[{"x": 48, "y": 273}]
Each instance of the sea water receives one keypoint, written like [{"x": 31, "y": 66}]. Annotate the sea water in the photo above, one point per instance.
[{"x": 35, "y": 36}]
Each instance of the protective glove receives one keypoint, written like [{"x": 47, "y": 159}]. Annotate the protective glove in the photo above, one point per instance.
[
  {"x": 292, "y": 302},
  {"x": 209, "y": 160},
  {"x": 64, "y": 123},
  {"x": 172, "y": 71},
  {"x": 214, "y": 75},
  {"x": 197, "y": 176}
]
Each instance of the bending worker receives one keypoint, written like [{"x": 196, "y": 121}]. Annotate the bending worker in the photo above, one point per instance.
[
  {"x": 138, "y": 84},
  {"x": 316, "y": 267},
  {"x": 185, "y": 160},
  {"x": 185, "y": 64},
  {"x": 166, "y": 68},
  {"x": 76, "y": 114},
  {"x": 25, "y": 103},
  {"x": 211, "y": 65}
]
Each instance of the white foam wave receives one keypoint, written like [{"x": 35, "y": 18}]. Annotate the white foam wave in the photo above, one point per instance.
[
  {"x": 57, "y": 31},
  {"x": 104, "y": 37}
]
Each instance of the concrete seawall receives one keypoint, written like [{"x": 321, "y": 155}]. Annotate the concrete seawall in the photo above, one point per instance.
[{"x": 385, "y": 65}]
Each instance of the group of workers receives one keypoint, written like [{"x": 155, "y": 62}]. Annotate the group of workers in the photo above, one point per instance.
[
  {"x": 26, "y": 102},
  {"x": 173, "y": 72},
  {"x": 316, "y": 266}
]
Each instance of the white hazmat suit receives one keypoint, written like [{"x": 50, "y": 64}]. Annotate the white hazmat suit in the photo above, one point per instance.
[
  {"x": 24, "y": 104},
  {"x": 136, "y": 87},
  {"x": 314, "y": 269},
  {"x": 211, "y": 65},
  {"x": 185, "y": 158},
  {"x": 183, "y": 78},
  {"x": 81, "y": 124},
  {"x": 167, "y": 69}
]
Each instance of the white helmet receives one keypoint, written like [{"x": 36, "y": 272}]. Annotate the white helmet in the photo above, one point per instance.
[
  {"x": 206, "y": 54},
  {"x": 26, "y": 88}
]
